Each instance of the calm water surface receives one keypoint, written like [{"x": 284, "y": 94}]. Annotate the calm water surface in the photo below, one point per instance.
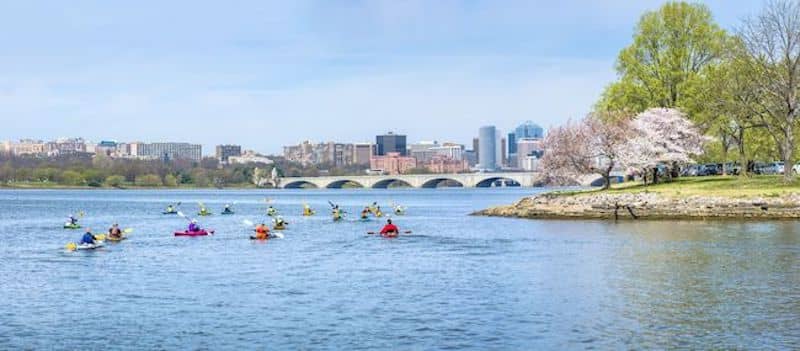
[{"x": 457, "y": 282}]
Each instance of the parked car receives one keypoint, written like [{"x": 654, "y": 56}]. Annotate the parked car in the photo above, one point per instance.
[
  {"x": 711, "y": 169},
  {"x": 773, "y": 168},
  {"x": 759, "y": 167},
  {"x": 731, "y": 168},
  {"x": 796, "y": 168},
  {"x": 690, "y": 170}
]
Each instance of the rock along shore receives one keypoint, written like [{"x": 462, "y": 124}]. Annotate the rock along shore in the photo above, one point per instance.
[{"x": 627, "y": 206}]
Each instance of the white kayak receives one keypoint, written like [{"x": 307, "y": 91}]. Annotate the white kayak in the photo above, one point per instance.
[{"x": 96, "y": 245}]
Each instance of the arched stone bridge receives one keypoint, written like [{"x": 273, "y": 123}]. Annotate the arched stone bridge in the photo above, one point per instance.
[{"x": 467, "y": 180}]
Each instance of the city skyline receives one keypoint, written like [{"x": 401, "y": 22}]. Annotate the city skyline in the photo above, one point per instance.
[{"x": 269, "y": 74}]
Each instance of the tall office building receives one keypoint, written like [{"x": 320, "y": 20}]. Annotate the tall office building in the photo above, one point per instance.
[
  {"x": 528, "y": 149},
  {"x": 512, "y": 143},
  {"x": 226, "y": 151},
  {"x": 362, "y": 153},
  {"x": 391, "y": 142},
  {"x": 167, "y": 151},
  {"x": 476, "y": 147},
  {"x": 529, "y": 130},
  {"x": 487, "y": 146},
  {"x": 501, "y": 147}
]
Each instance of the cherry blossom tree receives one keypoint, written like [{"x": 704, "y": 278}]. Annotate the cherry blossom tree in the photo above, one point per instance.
[
  {"x": 662, "y": 137},
  {"x": 592, "y": 145}
]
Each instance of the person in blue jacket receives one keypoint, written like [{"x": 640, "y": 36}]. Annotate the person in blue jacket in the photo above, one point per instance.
[{"x": 88, "y": 238}]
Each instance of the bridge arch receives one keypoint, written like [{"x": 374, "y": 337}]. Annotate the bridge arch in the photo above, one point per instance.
[
  {"x": 338, "y": 184},
  {"x": 385, "y": 183},
  {"x": 494, "y": 180},
  {"x": 446, "y": 182},
  {"x": 300, "y": 184}
]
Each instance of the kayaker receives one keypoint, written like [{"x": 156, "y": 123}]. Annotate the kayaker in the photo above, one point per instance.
[
  {"x": 378, "y": 212},
  {"x": 72, "y": 220},
  {"x": 337, "y": 213},
  {"x": 114, "y": 232},
  {"x": 88, "y": 238},
  {"x": 170, "y": 209},
  {"x": 365, "y": 213},
  {"x": 193, "y": 227},
  {"x": 271, "y": 211},
  {"x": 203, "y": 211},
  {"x": 399, "y": 210},
  {"x": 262, "y": 232},
  {"x": 227, "y": 209},
  {"x": 307, "y": 210},
  {"x": 390, "y": 229},
  {"x": 280, "y": 223}
]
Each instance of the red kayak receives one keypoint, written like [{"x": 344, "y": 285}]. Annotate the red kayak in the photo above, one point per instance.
[
  {"x": 390, "y": 235},
  {"x": 197, "y": 233}
]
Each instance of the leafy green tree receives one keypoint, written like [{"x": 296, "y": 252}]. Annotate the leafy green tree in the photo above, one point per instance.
[
  {"x": 115, "y": 181},
  {"x": 47, "y": 174},
  {"x": 771, "y": 56},
  {"x": 170, "y": 181},
  {"x": 671, "y": 48},
  {"x": 70, "y": 177}
]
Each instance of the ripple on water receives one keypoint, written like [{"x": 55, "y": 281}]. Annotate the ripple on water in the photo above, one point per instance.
[{"x": 458, "y": 282}]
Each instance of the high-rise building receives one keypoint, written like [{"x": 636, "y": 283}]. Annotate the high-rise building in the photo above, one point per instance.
[
  {"x": 512, "y": 143},
  {"x": 361, "y": 153},
  {"x": 64, "y": 146},
  {"x": 502, "y": 147},
  {"x": 529, "y": 130},
  {"x": 526, "y": 148},
  {"x": 28, "y": 147},
  {"x": 470, "y": 157},
  {"x": 224, "y": 152},
  {"x": 476, "y": 147},
  {"x": 391, "y": 142},
  {"x": 487, "y": 146},
  {"x": 168, "y": 151},
  {"x": 422, "y": 151}
]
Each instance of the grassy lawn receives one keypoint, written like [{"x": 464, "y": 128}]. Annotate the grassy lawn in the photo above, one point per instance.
[{"x": 727, "y": 186}]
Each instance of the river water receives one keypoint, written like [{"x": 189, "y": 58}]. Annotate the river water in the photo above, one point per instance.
[{"x": 457, "y": 282}]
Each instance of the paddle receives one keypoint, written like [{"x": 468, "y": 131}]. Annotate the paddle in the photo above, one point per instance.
[
  {"x": 180, "y": 214},
  {"x": 405, "y": 232}
]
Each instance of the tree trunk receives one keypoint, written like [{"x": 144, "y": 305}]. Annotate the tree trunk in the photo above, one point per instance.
[
  {"x": 724, "y": 160},
  {"x": 743, "y": 165},
  {"x": 607, "y": 175},
  {"x": 788, "y": 161},
  {"x": 655, "y": 175}
]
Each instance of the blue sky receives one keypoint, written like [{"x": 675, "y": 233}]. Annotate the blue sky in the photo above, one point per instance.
[{"x": 268, "y": 73}]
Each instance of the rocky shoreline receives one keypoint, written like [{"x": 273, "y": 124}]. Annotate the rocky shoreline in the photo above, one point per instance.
[{"x": 643, "y": 205}]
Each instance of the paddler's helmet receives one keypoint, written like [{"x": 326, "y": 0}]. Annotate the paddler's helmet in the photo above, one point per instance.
[{"x": 194, "y": 221}]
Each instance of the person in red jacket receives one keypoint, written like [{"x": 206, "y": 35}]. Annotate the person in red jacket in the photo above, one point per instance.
[{"x": 390, "y": 230}]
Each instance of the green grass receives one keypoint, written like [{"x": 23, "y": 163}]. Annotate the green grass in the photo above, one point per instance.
[{"x": 725, "y": 186}]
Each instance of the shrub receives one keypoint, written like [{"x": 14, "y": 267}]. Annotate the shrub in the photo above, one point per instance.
[{"x": 148, "y": 180}]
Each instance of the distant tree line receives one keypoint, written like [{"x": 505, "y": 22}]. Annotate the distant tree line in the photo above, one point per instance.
[
  {"x": 100, "y": 171},
  {"x": 86, "y": 170}
]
